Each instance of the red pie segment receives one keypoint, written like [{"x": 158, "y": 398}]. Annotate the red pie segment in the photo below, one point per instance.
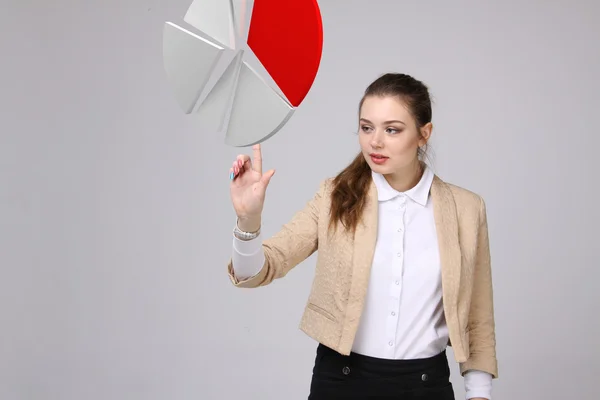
[{"x": 287, "y": 38}]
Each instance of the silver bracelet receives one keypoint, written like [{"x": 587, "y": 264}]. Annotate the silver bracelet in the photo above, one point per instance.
[{"x": 243, "y": 235}]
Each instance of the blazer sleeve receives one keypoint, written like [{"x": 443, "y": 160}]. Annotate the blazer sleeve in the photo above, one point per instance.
[
  {"x": 295, "y": 242},
  {"x": 482, "y": 337}
]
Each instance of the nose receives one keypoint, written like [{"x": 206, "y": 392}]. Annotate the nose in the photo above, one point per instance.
[{"x": 376, "y": 141}]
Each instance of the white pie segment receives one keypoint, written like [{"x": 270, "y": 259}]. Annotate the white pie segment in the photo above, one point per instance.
[
  {"x": 213, "y": 111},
  {"x": 214, "y": 18},
  {"x": 189, "y": 61},
  {"x": 258, "y": 112}
]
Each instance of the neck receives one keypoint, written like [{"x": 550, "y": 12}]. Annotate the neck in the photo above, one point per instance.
[{"x": 407, "y": 178}]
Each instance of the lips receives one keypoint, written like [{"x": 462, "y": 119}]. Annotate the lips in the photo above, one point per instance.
[
  {"x": 378, "y": 159},
  {"x": 378, "y": 156}
]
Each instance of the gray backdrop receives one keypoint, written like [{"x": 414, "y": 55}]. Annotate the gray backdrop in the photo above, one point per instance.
[{"x": 115, "y": 218}]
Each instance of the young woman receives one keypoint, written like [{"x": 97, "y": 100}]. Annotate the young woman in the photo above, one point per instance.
[{"x": 403, "y": 263}]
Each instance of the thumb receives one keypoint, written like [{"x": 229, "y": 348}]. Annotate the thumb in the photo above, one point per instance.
[{"x": 266, "y": 177}]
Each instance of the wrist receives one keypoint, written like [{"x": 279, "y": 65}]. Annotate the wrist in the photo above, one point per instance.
[{"x": 251, "y": 224}]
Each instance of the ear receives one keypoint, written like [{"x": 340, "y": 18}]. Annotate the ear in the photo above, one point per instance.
[{"x": 425, "y": 133}]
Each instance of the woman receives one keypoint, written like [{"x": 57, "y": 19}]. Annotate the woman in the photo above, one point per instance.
[{"x": 403, "y": 267}]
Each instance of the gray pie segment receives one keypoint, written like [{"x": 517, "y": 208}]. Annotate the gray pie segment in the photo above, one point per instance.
[
  {"x": 258, "y": 111},
  {"x": 242, "y": 13},
  {"x": 213, "y": 111},
  {"x": 189, "y": 60}
]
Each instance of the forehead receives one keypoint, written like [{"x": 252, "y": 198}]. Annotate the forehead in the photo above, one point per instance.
[{"x": 379, "y": 109}]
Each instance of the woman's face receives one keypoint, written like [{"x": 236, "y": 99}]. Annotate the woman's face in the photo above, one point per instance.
[{"x": 388, "y": 135}]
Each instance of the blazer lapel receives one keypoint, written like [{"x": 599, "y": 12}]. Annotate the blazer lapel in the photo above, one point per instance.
[
  {"x": 446, "y": 222},
  {"x": 365, "y": 239}
]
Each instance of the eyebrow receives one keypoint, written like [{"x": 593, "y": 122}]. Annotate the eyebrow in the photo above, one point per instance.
[{"x": 385, "y": 123}]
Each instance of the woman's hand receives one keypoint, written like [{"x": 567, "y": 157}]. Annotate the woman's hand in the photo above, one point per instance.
[{"x": 248, "y": 188}]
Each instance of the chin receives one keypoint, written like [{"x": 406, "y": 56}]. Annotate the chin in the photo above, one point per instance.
[{"x": 380, "y": 169}]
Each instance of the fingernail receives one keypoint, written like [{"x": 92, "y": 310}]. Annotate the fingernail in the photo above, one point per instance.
[{"x": 231, "y": 176}]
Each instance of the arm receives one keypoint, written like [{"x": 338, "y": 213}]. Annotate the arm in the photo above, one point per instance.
[
  {"x": 482, "y": 338},
  {"x": 295, "y": 242}
]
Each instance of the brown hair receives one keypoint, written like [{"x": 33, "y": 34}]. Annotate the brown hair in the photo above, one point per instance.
[{"x": 350, "y": 186}]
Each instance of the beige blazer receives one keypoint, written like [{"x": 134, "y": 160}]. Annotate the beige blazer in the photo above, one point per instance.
[{"x": 338, "y": 291}]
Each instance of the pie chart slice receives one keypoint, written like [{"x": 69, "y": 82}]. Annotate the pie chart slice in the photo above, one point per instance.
[
  {"x": 189, "y": 61},
  {"x": 258, "y": 112},
  {"x": 213, "y": 110},
  {"x": 287, "y": 37},
  {"x": 213, "y": 18},
  {"x": 241, "y": 17}
]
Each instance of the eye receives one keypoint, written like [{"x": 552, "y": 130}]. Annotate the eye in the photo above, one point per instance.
[
  {"x": 393, "y": 130},
  {"x": 365, "y": 128}
]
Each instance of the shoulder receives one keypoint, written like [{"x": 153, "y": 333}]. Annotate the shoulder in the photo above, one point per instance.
[
  {"x": 467, "y": 201},
  {"x": 326, "y": 187},
  {"x": 465, "y": 196}
]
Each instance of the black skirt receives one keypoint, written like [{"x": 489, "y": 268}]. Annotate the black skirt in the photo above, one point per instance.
[{"x": 336, "y": 376}]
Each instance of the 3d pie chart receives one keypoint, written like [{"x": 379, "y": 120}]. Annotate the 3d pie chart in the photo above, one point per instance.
[{"x": 209, "y": 64}]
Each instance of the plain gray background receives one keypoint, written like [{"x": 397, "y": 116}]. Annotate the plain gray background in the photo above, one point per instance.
[{"x": 115, "y": 217}]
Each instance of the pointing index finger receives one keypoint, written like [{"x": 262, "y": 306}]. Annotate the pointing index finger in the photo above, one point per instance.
[{"x": 257, "y": 162}]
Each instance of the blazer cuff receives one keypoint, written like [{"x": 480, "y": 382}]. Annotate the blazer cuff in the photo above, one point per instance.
[
  {"x": 481, "y": 363},
  {"x": 251, "y": 282}
]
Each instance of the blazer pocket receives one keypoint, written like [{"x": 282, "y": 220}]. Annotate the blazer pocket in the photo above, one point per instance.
[{"x": 321, "y": 311}]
